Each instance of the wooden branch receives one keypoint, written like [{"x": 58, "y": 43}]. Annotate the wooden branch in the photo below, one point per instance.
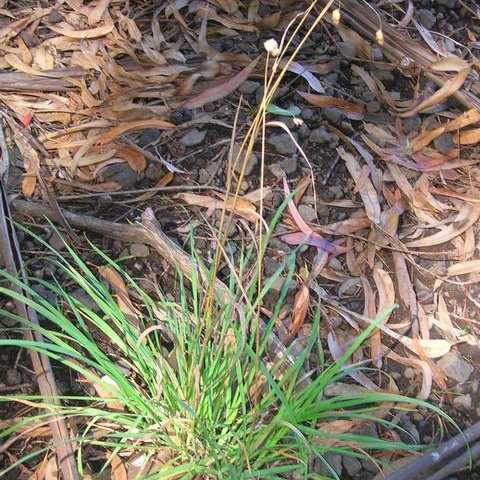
[
  {"x": 41, "y": 363},
  {"x": 151, "y": 233}
]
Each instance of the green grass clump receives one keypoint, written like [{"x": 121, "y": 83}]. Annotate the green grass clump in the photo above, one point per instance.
[{"x": 194, "y": 396}]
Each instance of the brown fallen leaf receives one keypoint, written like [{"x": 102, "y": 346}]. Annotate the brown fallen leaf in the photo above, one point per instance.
[
  {"x": 446, "y": 91},
  {"x": 444, "y": 318},
  {"x": 120, "y": 288},
  {"x": 108, "y": 389},
  {"x": 352, "y": 111},
  {"x": 468, "y": 137},
  {"x": 119, "y": 471},
  {"x": 464, "y": 268},
  {"x": 467, "y": 216},
  {"x": 108, "y": 136},
  {"x": 217, "y": 92},
  {"x": 300, "y": 308},
  {"x": 367, "y": 190},
  {"x": 135, "y": 159},
  {"x": 386, "y": 298},
  {"x": 422, "y": 140},
  {"x": 65, "y": 29},
  {"x": 238, "y": 206}
]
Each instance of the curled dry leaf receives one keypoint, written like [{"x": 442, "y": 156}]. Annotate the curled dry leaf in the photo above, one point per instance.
[
  {"x": 306, "y": 235},
  {"x": 367, "y": 190},
  {"x": 449, "y": 64},
  {"x": 445, "y": 320},
  {"x": 65, "y": 29},
  {"x": 107, "y": 389},
  {"x": 337, "y": 351},
  {"x": 302, "y": 70},
  {"x": 120, "y": 288},
  {"x": 217, "y": 92},
  {"x": 464, "y": 268},
  {"x": 300, "y": 308},
  {"x": 350, "y": 110},
  {"x": 467, "y": 216},
  {"x": 237, "y": 205},
  {"x": 468, "y": 137},
  {"x": 419, "y": 366},
  {"x": 134, "y": 158},
  {"x": 386, "y": 298},
  {"x": 422, "y": 140},
  {"x": 446, "y": 91}
]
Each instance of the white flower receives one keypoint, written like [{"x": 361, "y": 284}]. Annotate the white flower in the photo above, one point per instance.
[{"x": 271, "y": 46}]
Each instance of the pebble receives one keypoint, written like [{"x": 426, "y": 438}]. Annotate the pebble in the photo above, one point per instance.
[
  {"x": 409, "y": 373},
  {"x": 332, "y": 114},
  {"x": 148, "y": 136},
  {"x": 283, "y": 144},
  {"x": 250, "y": 163},
  {"x": 455, "y": 367},
  {"x": 289, "y": 165},
  {"x": 193, "y": 138},
  {"x": 412, "y": 124},
  {"x": 307, "y": 113},
  {"x": 352, "y": 465},
  {"x": 154, "y": 172},
  {"x": 85, "y": 299},
  {"x": 335, "y": 462},
  {"x": 348, "y": 49},
  {"x": 444, "y": 143},
  {"x": 12, "y": 377},
  {"x": 120, "y": 173},
  {"x": 426, "y": 18},
  {"x": 139, "y": 250},
  {"x": 377, "y": 54},
  {"x": 373, "y": 106},
  {"x": 248, "y": 87},
  {"x": 447, "y": 3},
  {"x": 465, "y": 400},
  {"x": 307, "y": 212},
  {"x": 320, "y": 135}
]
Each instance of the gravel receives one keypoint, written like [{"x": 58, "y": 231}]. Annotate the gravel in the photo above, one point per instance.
[
  {"x": 320, "y": 135},
  {"x": 250, "y": 163},
  {"x": 193, "y": 138},
  {"x": 455, "y": 367},
  {"x": 352, "y": 465},
  {"x": 283, "y": 144},
  {"x": 307, "y": 212},
  {"x": 444, "y": 143},
  {"x": 139, "y": 250},
  {"x": 426, "y": 18},
  {"x": 248, "y": 87},
  {"x": 335, "y": 462}
]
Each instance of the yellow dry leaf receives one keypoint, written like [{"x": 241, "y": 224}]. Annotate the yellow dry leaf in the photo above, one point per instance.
[
  {"x": 65, "y": 29},
  {"x": 97, "y": 12},
  {"x": 241, "y": 207},
  {"x": 43, "y": 58},
  {"x": 463, "y": 268}
]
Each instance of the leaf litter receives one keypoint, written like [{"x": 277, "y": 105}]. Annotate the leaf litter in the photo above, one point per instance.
[{"x": 105, "y": 74}]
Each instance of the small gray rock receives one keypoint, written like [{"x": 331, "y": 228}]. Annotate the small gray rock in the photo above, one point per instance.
[
  {"x": 148, "y": 136},
  {"x": 193, "y": 138},
  {"x": 307, "y": 113},
  {"x": 352, "y": 465},
  {"x": 335, "y": 462},
  {"x": 13, "y": 377},
  {"x": 412, "y": 124},
  {"x": 426, "y": 18},
  {"x": 120, "y": 173},
  {"x": 332, "y": 114},
  {"x": 307, "y": 212},
  {"x": 348, "y": 49},
  {"x": 85, "y": 300},
  {"x": 154, "y": 171},
  {"x": 248, "y": 87},
  {"x": 320, "y": 135},
  {"x": 283, "y": 144},
  {"x": 139, "y": 250},
  {"x": 455, "y": 367},
  {"x": 447, "y": 3},
  {"x": 250, "y": 163},
  {"x": 289, "y": 165},
  {"x": 465, "y": 400},
  {"x": 373, "y": 106},
  {"x": 377, "y": 54},
  {"x": 444, "y": 143}
]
